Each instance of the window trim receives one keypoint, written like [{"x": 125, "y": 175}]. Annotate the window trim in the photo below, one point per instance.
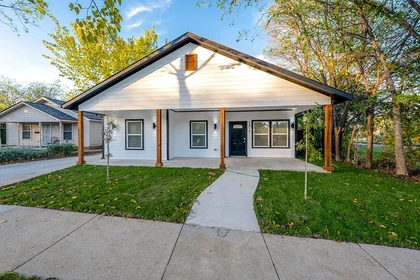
[
  {"x": 271, "y": 134},
  {"x": 268, "y": 134},
  {"x": 195, "y": 60},
  {"x": 71, "y": 138},
  {"x": 25, "y": 130},
  {"x": 142, "y": 133},
  {"x": 206, "y": 135},
  {"x": 287, "y": 134}
]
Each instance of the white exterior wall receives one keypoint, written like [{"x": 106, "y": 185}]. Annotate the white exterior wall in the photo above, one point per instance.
[
  {"x": 180, "y": 134},
  {"x": 95, "y": 133},
  {"x": 34, "y": 141},
  {"x": 219, "y": 82},
  {"x": 27, "y": 114},
  {"x": 11, "y": 134},
  {"x": 117, "y": 147}
]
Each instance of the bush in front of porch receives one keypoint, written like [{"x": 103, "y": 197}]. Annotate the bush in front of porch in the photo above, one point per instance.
[
  {"x": 11, "y": 155},
  {"x": 351, "y": 204},
  {"x": 164, "y": 194}
]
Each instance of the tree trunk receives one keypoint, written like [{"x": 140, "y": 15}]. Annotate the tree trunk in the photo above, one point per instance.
[
  {"x": 348, "y": 159},
  {"x": 355, "y": 154},
  {"x": 107, "y": 163},
  {"x": 369, "y": 128},
  {"x": 400, "y": 165},
  {"x": 338, "y": 133}
]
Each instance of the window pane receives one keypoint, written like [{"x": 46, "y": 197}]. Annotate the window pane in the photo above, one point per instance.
[
  {"x": 26, "y": 135},
  {"x": 134, "y": 141},
  {"x": 280, "y": 126},
  {"x": 280, "y": 140},
  {"x": 198, "y": 141},
  {"x": 67, "y": 127},
  {"x": 260, "y": 140},
  {"x": 134, "y": 127},
  {"x": 67, "y": 135},
  {"x": 26, "y": 126},
  {"x": 261, "y": 127},
  {"x": 198, "y": 128}
]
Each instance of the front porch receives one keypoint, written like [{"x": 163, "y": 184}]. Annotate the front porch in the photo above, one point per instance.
[{"x": 233, "y": 163}]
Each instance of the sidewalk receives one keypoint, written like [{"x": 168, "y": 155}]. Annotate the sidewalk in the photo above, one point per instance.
[
  {"x": 13, "y": 173},
  {"x": 67, "y": 245}
]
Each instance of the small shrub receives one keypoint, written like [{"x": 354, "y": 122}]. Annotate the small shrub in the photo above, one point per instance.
[
  {"x": 10, "y": 155},
  {"x": 65, "y": 149}
]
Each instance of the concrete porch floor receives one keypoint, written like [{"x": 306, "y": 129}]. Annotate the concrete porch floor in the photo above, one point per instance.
[{"x": 243, "y": 163}]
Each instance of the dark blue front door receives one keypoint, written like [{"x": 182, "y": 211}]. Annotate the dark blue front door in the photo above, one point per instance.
[{"x": 238, "y": 138}]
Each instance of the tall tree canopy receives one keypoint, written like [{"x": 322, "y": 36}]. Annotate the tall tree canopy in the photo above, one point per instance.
[
  {"x": 88, "y": 62},
  {"x": 12, "y": 92}
]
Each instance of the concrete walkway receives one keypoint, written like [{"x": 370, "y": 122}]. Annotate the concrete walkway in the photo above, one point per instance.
[
  {"x": 228, "y": 202},
  {"x": 69, "y": 245},
  {"x": 13, "y": 173}
]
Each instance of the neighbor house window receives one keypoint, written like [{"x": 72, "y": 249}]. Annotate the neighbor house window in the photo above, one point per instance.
[
  {"x": 26, "y": 131},
  {"x": 280, "y": 134},
  {"x": 67, "y": 131},
  {"x": 198, "y": 134},
  {"x": 134, "y": 134},
  {"x": 190, "y": 62},
  {"x": 271, "y": 134},
  {"x": 261, "y": 133}
]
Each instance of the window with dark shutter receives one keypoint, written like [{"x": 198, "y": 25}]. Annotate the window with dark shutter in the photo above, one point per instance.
[{"x": 190, "y": 62}]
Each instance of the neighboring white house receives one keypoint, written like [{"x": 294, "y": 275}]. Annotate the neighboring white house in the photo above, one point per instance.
[
  {"x": 43, "y": 122},
  {"x": 197, "y": 98}
]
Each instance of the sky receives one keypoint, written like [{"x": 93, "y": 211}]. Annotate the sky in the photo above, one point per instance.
[{"x": 21, "y": 55}]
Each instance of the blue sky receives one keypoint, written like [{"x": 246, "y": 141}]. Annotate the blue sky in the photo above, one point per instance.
[{"x": 21, "y": 57}]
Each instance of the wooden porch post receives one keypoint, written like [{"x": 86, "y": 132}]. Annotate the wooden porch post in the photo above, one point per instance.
[
  {"x": 222, "y": 139},
  {"x": 328, "y": 139},
  {"x": 159, "y": 138},
  {"x": 81, "y": 138}
]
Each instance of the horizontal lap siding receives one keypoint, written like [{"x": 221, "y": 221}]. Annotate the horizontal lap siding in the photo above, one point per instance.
[
  {"x": 27, "y": 114},
  {"x": 218, "y": 82},
  {"x": 180, "y": 134},
  {"x": 95, "y": 132},
  {"x": 271, "y": 115},
  {"x": 117, "y": 147}
]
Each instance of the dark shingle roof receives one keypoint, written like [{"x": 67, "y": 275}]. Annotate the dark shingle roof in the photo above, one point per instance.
[
  {"x": 335, "y": 94},
  {"x": 93, "y": 116},
  {"x": 51, "y": 111},
  {"x": 56, "y": 101}
]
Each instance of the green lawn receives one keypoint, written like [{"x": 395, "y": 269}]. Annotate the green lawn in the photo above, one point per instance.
[
  {"x": 351, "y": 204},
  {"x": 164, "y": 194}
]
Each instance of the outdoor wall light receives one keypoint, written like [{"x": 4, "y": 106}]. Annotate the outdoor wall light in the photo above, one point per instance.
[
  {"x": 154, "y": 125},
  {"x": 292, "y": 125},
  {"x": 215, "y": 126}
]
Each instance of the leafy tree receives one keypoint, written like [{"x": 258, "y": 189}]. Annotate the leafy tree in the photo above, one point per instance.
[
  {"x": 25, "y": 12},
  {"x": 88, "y": 62},
  {"x": 12, "y": 92},
  {"x": 30, "y": 12},
  {"x": 109, "y": 136}
]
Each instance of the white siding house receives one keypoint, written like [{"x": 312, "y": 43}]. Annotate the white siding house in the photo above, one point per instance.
[
  {"x": 214, "y": 102},
  {"x": 43, "y": 122}
]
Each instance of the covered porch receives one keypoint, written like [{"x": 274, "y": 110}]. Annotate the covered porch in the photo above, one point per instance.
[{"x": 239, "y": 138}]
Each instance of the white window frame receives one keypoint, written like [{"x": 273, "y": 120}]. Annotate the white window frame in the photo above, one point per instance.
[
  {"x": 71, "y": 131},
  {"x": 26, "y": 130},
  {"x": 280, "y": 133},
  {"x": 253, "y": 134},
  {"x": 134, "y": 134},
  {"x": 199, "y": 134}
]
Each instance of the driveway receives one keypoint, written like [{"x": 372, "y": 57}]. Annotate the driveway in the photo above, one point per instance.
[
  {"x": 13, "y": 173},
  {"x": 68, "y": 245}
]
